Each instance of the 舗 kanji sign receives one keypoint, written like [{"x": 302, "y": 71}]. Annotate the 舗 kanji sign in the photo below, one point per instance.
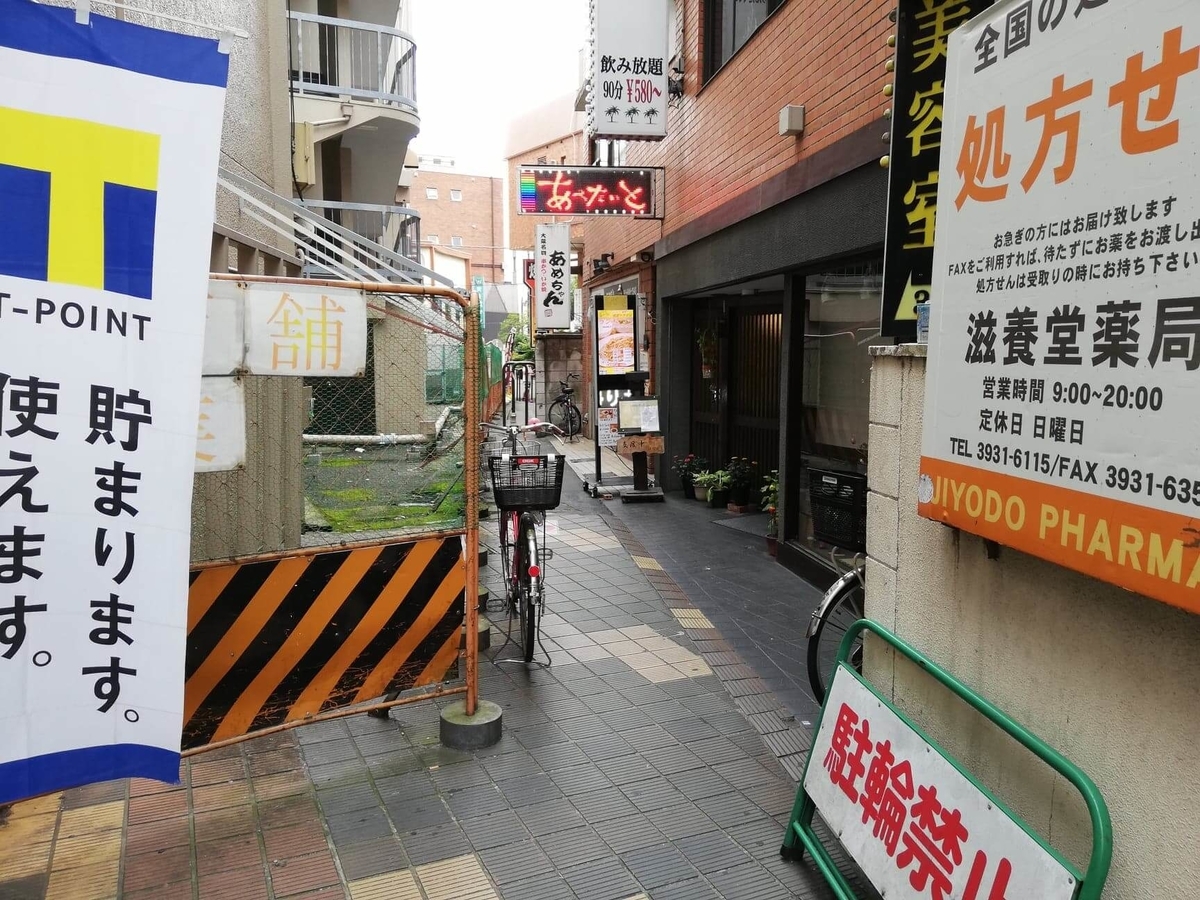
[
  {"x": 587, "y": 191},
  {"x": 916, "y": 825},
  {"x": 552, "y": 276},
  {"x": 295, "y": 330},
  {"x": 628, "y": 91},
  {"x": 108, "y": 165},
  {"x": 922, "y": 30},
  {"x": 1065, "y": 335}
]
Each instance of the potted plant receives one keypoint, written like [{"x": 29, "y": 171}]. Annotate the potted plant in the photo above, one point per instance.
[
  {"x": 706, "y": 340},
  {"x": 701, "y": 481},
  {"x": 687, "y": 467},
  {"x": 770, "y": 505},
  {"x": 741, "y": 483},
  {"x": 718, "y": 489}
]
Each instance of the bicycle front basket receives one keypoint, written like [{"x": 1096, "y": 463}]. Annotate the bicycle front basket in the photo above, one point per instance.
[{"x": 527, "y": 482}]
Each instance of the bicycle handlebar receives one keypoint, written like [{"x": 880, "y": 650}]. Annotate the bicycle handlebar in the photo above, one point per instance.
[{"x": 522, "y": 429}]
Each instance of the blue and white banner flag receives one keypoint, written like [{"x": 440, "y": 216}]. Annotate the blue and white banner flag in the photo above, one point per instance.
[{"x": 110, "y": 134}]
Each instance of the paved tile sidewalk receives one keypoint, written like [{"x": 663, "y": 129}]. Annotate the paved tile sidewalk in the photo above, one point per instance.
[{"x": 644, "y": 763}]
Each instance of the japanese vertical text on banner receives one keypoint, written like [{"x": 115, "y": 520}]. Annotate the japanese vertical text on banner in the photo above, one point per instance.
[
  {"x": 552, "y": 271},
  {"x": 107, "y": 182},
  {"x": 1065, "y": 346}
]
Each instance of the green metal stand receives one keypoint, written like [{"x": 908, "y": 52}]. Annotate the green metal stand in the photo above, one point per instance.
[{"x": 800, "y": 835}]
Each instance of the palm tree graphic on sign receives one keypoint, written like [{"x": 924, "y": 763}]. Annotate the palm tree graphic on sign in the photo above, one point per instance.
[
  {"x": 651, "y": 114},
  {"x": 633, "y": 112},
  {"x": 612, "y": 112}
]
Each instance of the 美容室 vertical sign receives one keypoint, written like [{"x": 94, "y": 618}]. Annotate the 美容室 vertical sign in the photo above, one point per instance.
[
  {"x": 107, "y": 181},
  {"x": 628, "y": 94},
  {"x": 552, "y": 275},
  {"x": 1065, "y": 338},
  {"x": 922, "y": 30}
]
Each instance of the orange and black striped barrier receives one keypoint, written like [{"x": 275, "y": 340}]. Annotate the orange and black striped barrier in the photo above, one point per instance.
[{"x": 274, "y": 641}]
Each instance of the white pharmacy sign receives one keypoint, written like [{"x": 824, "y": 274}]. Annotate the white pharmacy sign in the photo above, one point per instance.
[
  {"x": 108, "y": 164},
  {"x": 1064, "y": 359},
  {"x": 628, "y": 92},
  {"x": 297, "y": 330},
  {"x": 915, "y": 824},
  {"x": 221, "y": 431},
  {"x": 552, "y": 277}
]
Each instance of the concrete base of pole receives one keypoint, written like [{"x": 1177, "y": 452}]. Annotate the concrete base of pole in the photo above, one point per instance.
[
  {"x": 462, "y": 732},
  {"x": 483, "y": 557}
]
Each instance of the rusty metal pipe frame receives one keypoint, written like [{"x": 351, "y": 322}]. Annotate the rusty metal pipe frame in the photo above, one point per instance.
[
  {"x": 471, "y": 410},
  {"x": 327, "y": 717}
]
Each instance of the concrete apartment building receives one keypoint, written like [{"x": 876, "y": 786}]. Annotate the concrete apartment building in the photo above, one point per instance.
[
  {"x": 460, "y": 211},
  {"x": 338, "y": 78}
]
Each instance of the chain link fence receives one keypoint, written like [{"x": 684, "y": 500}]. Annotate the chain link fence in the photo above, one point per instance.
[{"x": 331, "y": 461}]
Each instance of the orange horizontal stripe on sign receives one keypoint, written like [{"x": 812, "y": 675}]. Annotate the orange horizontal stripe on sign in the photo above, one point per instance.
[{"x": 1146, "y": 550}]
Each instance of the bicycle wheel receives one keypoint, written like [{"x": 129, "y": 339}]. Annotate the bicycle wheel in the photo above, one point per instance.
[
  {"x": 564, "y": 416},
  {"x": 528, "y": 575},
  {"x": 844, "y": 610}
]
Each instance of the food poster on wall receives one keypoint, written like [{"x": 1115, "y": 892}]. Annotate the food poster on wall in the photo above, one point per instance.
[
  {"x": 615, "y": 344},
  {"x": 607, "y": 427}
]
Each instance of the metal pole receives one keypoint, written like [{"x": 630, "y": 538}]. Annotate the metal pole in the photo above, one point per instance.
[{"x": 471, "y": 409}]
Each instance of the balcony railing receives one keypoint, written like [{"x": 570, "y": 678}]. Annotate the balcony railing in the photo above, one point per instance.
[
  {"x": 330, "y": 250},
  {"x": 396, "y": 227},
  {"x": 344, "y": 58}
]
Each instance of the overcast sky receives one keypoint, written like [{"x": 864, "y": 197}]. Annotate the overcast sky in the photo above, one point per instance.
[{"x": 482, "y": 63}]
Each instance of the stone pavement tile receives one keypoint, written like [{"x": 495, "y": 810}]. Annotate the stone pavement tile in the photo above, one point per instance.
[
  {"x": 393, "y": 762},
  {"x": 179, "y": 890},
  {"x": 696, "y": 784},
  {"x": 299, "y": 874},
  {"x": 573, "y": 847},
  {"x": 153, "y": 836},
  {"x": 549, "y": 886},
  {"x": 458, "y": 878},
  {"x": 712, "y": 851},
  {"x": 629, "y": 833},
  {"x": 673, "y": 759},
  {"x": 294, "y": 840},
  {"x": 648, "y": 737},
  {"x": 601, "y": 879},
  {"x": 691, "y": 889},
  {"x": 440, "y": 842},
  {"x": 91, "y": 794},
  {"x": 409, "y": 786},
  {"x": 281, "y": 784},
  {"x": 91, "y": 882},
  {"x": 389, "y": 886},
  {"x": 156, "y": 807},
  {"x": 207, "y": 770},
  {"x": 347, "y": 798},
  {"x": 479, "y": 800},
  {"x": 683, "y": 820},
  {"x": 494, "y": 830},
  {"x": 226, "y": 854},
  {"x": 599, "y": 806},
  {"x": 749, "y": 882},
  {"x": 282, "y": 760},
  {"x": 235, "y": 885},
  {"x": 218, "y": 796},
  {"x": 418, "y": 813},
  {"x": 86, "y": 851},
  {"x": 550, "y": 816},
  {"x": 23, "y": 859},
  {"x": 157, "y": 869},
  {"x": 604, "y": 744},
  {"x": 516, "y": 862},
  {"x": 372, "y": 857},
  {"x": 510, "y": 765},
  {"x": 580, "y": 780},
  {"x": 658, "y": 865},
  {"x": 529, "y": 789},
  {"x": 287, "y": 810},
  {"x": 217, "y": 823},
  {"x": 358, "y": 826},
  {"x": 652, "y": 794},
  {"x": 728, "y": 810}
]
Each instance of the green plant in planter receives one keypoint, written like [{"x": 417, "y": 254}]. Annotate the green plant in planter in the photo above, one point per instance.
[
  {"x": 704, "y": 479},
  {"x": 720, "y": 480},
  {"x": 770, "y": 502},
  {"x": 742, "y": 473},
  {"x": 687, "y": 467}
]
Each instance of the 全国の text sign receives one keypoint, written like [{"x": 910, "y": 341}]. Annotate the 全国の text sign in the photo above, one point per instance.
[
  {"x": 1065, "y": 338},
  {"x": 109, "y": 163},
  {"x": 915, "y": 824}
]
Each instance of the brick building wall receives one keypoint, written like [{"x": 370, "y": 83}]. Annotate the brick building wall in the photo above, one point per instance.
[
  {"x": 723, "y": 141},
  {"x": 568, "y": 150},
  {"x": 478, "y": 218}
]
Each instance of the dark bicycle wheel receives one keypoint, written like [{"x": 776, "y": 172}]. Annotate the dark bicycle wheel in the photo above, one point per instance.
[
  {"x": 528, "y": 575},
  {"x": 565, "y": 416},
  {"x": 844, "y": 610}
]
